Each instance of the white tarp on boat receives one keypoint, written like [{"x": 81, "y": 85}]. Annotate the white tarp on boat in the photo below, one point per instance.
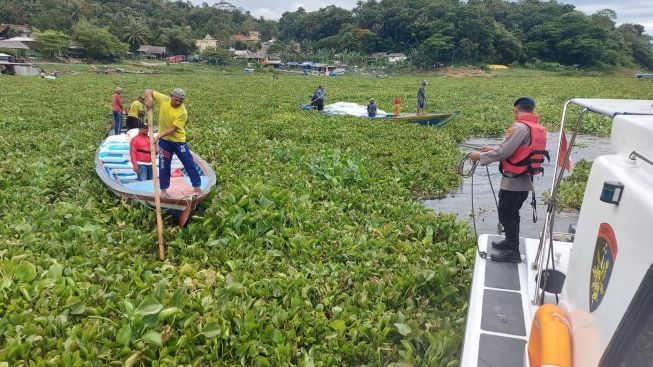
[
  {"x": 613, "y": 107},
  {"x": 349, "y": 109}
]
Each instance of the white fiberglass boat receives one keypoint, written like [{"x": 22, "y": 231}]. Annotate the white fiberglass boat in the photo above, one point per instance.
[{"x": 588, "y": 302}]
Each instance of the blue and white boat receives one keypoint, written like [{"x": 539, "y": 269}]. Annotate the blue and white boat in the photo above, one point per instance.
[{"x": 113, "y": 166}]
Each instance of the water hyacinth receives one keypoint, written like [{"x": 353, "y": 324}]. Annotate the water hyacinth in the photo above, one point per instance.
[{"x": 314, "y": 250}]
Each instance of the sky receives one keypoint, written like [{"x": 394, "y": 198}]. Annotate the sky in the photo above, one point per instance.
[{"x": 628, "y": 11}]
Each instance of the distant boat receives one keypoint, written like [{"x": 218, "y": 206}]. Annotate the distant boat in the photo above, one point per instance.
[
  {"x": 356, "y": 110},
  {"x": 430, "y": 119},
  {"x": 113, "y": 166}
]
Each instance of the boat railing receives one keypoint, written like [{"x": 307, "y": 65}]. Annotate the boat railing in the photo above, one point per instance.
[
  {"x": 547, "y": 234},
  {"x": 633, "y": 155}
]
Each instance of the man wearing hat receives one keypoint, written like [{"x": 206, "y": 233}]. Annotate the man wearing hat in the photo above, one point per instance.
[
  {"x": 118, "y": 110},
  {"x": 172, "y": 136},
  {"x": 521, "y": 154},
  {"x": 421, "y": 98},
  {"x": 371, "y": 108},
  {"x": 139, "y": 151}
]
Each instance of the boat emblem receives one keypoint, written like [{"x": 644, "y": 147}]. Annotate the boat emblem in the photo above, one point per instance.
[{"x": 605, "y": 254}]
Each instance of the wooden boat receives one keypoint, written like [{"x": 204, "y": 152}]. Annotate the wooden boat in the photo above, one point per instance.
[
  {"x": 582, "y": 299},
  {"x": 113, "y": 166},
  {"x": 429, "y": 119}
]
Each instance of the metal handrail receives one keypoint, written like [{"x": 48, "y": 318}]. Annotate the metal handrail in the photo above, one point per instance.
[
  {"x": 634, "y": 155},
  {"x": 546, "y": 236}
]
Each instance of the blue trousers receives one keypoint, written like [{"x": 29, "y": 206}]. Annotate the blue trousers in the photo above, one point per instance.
[
  {"x": 167, "y": 149},
  {"x": 117, "y": 122},
  {"x": 144, "y": 172}
]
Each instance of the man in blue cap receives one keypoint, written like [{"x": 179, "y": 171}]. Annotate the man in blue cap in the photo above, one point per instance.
[{"x": 521, "y": 154}]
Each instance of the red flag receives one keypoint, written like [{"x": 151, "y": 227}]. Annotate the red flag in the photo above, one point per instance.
[{"x": 562, "y": 153}]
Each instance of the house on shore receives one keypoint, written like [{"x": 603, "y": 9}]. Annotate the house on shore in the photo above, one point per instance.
[
  {"x": 388, "y": 57},
  {"x": 20, "y": 29},
  {"x": 247, "y": 55},
  {"x": 152, "y": 52},
  {"x": 206, "y": 42},
  {"x": 272, "y": 60},
  {"x": 252, "y": 36},
  {"x": 309, "y": 68}
]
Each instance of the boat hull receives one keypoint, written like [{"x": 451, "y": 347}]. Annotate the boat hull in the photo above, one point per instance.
[
  {"x": 431, "y": 119},
  {"x": 113, "y": 170}
]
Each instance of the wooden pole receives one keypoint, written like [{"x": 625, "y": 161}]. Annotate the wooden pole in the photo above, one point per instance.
[{"x": 155, "y": 183}]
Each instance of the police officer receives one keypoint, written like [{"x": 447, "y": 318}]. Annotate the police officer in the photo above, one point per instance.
[{"x": 521, "y": 154}]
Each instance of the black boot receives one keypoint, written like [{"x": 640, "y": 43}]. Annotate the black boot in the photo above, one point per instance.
[
  {"x": 507, "y": 256},
  {"x": 501, "y": 245}
]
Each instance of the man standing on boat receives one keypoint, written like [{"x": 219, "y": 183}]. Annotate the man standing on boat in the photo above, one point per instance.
[
  {"x": 421, "y": 98},
  {"x": 136, "y": 113},
  {"x": 371, "y": 109},
  {"x": 118, "y": 110},
  {"x": 172, "y": 136},
  {"x": 521, "y": 154}
]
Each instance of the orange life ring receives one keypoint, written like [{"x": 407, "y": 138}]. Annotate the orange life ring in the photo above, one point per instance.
[{"x": 550, "y": 341}]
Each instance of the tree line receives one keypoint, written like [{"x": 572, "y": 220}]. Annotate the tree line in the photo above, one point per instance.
[{"x": 429, "y": 32}]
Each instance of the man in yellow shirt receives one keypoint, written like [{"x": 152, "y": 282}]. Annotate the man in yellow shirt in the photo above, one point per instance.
[
  {"x": 136, "y": 113},
  {"x": 172, "y": 136}
]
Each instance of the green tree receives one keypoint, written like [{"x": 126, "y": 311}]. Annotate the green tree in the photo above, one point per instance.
[
  {"x": 97, "y": 42},
  {"x": 217, "y": 55},
  {"x": 325, "y": 55},
  {"x": 475, "y": 33},
  {"x": 638, "y": 43},
  {"x": 135, "y": 33},
  {"x": 435, "y": 49},
  {"x": 179, "y": 41},
  {"x": 52, "y": 43},
  {"x": 353, "y": 58},
  {"x": 507, "y": 46},
  {"x": 584, "y": 42}
]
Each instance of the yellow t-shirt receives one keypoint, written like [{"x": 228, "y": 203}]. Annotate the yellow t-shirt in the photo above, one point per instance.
[
  {"x": 135, "y": 109},
  {"x": 169, "y": 116}
]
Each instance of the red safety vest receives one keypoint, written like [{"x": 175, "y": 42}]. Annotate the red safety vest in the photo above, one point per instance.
[
  {"x": 527, "y": 159},
  {"x": 139, "y": 149}
]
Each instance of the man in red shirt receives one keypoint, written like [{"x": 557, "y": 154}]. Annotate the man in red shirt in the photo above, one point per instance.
[
  {"x": 116, "y": 106},
  {"x": 139, "y": 150}
]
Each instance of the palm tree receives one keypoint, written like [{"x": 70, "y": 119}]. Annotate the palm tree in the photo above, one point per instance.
[
  {"x": 74, "y": 8},
  {"x": 135, "y": 33}
]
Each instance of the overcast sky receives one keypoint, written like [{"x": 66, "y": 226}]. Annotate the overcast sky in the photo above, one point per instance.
[{"x": 628, "y": 11}]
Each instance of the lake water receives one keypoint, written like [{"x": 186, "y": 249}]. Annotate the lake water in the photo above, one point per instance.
[{"x": 459, "y": 202}]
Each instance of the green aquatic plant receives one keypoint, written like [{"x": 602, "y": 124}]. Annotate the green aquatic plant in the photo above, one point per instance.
[
  {"x": 572, "y": 188},
  {"x": 314, "y": 251}
]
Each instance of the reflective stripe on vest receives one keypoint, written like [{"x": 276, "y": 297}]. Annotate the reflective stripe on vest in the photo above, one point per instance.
[{"x": 527, "y": 159}]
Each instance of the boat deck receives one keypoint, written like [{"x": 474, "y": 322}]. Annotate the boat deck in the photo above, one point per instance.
[
  {"x": 180, "y": 187},
  {"x": 500, "y": 310}
]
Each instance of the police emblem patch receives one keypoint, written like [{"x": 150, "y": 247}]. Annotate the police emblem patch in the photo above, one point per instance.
[{"x": 605, "y": 254}]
